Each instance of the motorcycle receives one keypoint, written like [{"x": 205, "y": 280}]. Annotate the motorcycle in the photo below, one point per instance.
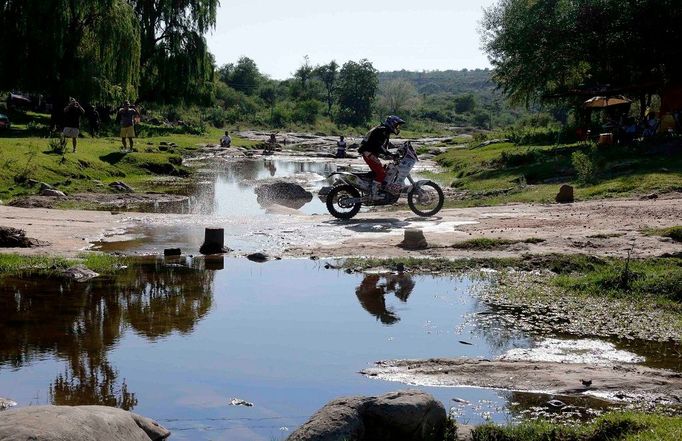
[{"x": 353, "y": 190}]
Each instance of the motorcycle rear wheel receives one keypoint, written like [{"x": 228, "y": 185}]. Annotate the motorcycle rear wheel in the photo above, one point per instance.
[
  {"x": 425, "y": 201},
  {"x": 336, "y": 205}
]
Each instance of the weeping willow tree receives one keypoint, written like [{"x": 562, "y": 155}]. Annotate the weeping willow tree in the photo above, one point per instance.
[
  {"x": 175, "y": 61},
  {"x": 85, "y": 48}
]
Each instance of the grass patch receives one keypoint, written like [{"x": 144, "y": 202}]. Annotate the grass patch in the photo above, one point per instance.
[
  {"x": 657, "y": 279},
  {"x": 610, "y": 427},
  {"x": 675, "y": 233},
  {"x": 505, "y": 173},
  {"x": 485, "y": 243},
  {"x": 15, "y": 264},
  {"x": 26, "y": 155}
]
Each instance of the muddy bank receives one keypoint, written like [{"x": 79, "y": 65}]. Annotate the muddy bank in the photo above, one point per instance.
[
  {"x": 146, "y": 202},
  {"x": 618, "y": 383}
]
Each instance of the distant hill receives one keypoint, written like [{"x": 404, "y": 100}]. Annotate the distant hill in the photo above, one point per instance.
[{"x": 455, "y": 82}]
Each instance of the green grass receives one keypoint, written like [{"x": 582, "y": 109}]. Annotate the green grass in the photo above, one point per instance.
[
  {"x": 506, "y": 173},
  {"x": 656, "y": 279},
  {"x": 15, "y": 264},
  {"x": 675, "y": 233},
  {"x": 651, "y": 278},
  {"x": 25, "y": 155},
  {"x": 484, "y": 243},
  {"x": 610, "y": 427}
]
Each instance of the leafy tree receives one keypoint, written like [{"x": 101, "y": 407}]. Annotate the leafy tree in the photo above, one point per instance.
[
  {"x": 174, "y": 56},
  {"x": 328, "y": 74},
  {"x": 544, "y": 48},
  {"x": 357, "y": 89},
  {"x": 397, "y": 96},
  {"x": 90, "y": 49},
  {"x": 244, "y": 76},
  {"x": 465, "y": 103}
]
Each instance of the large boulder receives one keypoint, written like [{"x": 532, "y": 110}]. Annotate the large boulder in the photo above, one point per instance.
[
  {"x": 565, "y": 195},
  {"x": 283, "y": 193},
  {"x": 15, "y": 238},
  {"x": 78, "y": 423},
  {"x": 406, "y": 415}
]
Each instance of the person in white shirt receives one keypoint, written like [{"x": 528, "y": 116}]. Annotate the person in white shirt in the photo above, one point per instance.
[{"x": 341, "y": 148}]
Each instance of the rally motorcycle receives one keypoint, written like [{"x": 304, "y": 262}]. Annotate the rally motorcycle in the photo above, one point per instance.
[{"x": 353, "y": 190}]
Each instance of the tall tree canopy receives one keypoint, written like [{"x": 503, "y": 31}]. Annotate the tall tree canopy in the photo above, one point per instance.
[
  {"x": 357, "y": 87},
  {"x": 174, "y": 56},
  {"x": 544, "y": 47},
  {"x": 88, "y": 48}
]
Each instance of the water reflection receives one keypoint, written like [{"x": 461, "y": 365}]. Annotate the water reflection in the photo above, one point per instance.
[
  {"x": 374, "y": 287},
  {"x": 82, "y": 323}
]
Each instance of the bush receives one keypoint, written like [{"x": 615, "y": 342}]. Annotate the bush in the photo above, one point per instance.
[
  {"x": 307, "y": 111},
  {"x": 55, "y": 145},
  {"x": 585, "y": 167}
]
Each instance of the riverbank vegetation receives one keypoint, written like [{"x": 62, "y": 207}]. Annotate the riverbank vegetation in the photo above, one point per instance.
[
  {"x": 621, "y": 426},
  {"x": 654, "y": 278},
  {"x": 16, "y": 264},
  {"x": 506, "y": 172}
]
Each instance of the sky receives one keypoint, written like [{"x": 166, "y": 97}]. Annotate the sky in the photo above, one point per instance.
[{"x": 397, "y": 34}]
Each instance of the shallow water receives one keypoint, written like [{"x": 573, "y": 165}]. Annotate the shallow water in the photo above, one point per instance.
[
  {"x": 178, "y": 339},
  {"x": 177, "y": 344},
  {"x": 231, "y": 190}
]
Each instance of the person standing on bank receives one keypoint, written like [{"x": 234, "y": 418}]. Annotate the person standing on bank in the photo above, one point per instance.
[
  {"x": 341, "y": 148},
  {"x": 72, "y": 122},
  {"x": 126, "y": 116}
]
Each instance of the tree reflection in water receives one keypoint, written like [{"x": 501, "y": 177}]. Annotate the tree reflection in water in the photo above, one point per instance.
[
  {"x": 371, "y": 292},
  {"x": 81, "y": 322}
]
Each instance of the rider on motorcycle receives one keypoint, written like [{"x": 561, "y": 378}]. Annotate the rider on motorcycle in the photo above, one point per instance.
[{"x": 376, "y": 143}]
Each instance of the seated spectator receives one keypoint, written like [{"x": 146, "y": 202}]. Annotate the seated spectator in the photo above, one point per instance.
[
  {"x": 226, "y": 141},
  {"x": 650, "y": 125}
]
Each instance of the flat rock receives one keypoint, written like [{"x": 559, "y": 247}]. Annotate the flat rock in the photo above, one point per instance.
[
  {"x": 52, "y": 192},
  {"x": 78, "y": 423},
  {"x": 635, "y": 382}
]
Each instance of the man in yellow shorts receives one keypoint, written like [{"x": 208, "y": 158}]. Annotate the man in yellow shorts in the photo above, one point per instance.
[{"x": 126, "y": 116}]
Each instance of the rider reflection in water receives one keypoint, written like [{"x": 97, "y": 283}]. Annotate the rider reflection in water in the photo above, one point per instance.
[{"x": 371, "y": 294}]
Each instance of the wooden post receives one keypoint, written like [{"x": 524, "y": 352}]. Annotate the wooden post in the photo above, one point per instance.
[{"x": 214, "y": 241}]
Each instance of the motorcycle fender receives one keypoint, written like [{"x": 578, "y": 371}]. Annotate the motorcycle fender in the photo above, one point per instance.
[{"x": 419, "y": 184}]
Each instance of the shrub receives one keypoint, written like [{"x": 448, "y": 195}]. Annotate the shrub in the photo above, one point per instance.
[
  {"x": 55, "y": 145},
  {"x": 585, "y": 167}
]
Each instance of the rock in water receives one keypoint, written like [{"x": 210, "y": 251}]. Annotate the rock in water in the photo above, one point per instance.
[
  {"x": 258, "y": 257},
  {"x": 78, "y": 423},
  {"x": 565, "y": 195},
  {"x": 283, "y": 193},
  {"x": 409, "y": 415},
  {"x": 80, "y": 273}
]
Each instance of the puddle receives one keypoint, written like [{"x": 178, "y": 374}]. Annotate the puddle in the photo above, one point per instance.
[
  {"x": 231, "y": 192},
  {"x": 192, "y": 342},
  {"x": 180, "y": 344}
]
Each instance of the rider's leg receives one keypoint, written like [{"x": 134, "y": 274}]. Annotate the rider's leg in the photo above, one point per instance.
[{"x": 376, "y": 166}]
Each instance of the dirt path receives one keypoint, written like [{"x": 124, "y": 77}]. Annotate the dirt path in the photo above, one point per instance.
[
  {"x": 621, "y": 382},
  {"x": 605, "y": 227}
]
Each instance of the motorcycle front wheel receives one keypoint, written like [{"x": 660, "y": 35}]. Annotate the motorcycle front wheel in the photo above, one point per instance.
[
  {"x": 340, "y": 204},
  {"x": 426, "y": 199}
]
